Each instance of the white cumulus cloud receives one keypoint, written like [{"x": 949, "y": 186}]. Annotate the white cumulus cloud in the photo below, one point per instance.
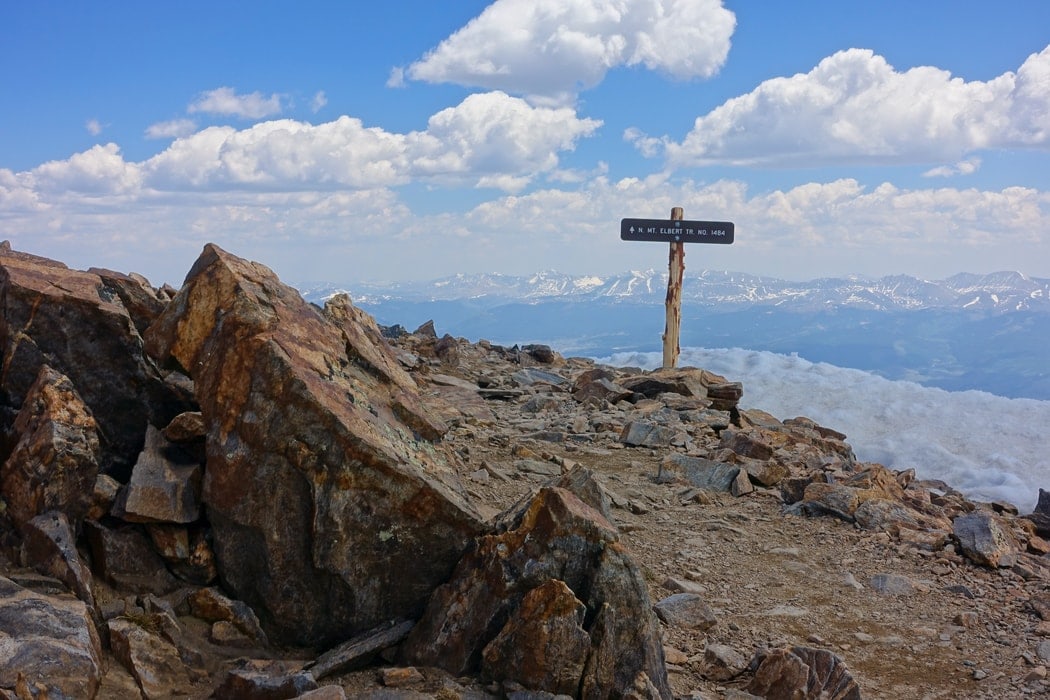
[
  {"x": 553, "y": 49},
  {"x": 854, "y": 107},
  {"x": 175, "y": 128},
  {"x": 963, "y": 167},
  {"x": 488, "y": 140},
  {"x": 227, "y": 102}
]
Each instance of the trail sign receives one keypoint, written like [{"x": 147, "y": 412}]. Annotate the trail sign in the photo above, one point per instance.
[
  {"x": 672, "y": 231},
  {"x": 677, "y": 232}
]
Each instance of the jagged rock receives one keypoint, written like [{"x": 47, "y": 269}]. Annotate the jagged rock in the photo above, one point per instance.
[
  {"x": 185, "y": 550},
  {"x": 326, "y": 692},
  {"x": 893, "y": 584},
  {"x": 154, "y": 662},
  {"x": 138, "y": 297},
  {"x": 1040, "y": 516},
  {"x": 55, "y": 462},
  {"x": 186, "y": 427},
  {"x": 983, "y": 539},
  {"x": 793, "y": 488},
  {"x": 687, "y": 610},
  {"x": 837, "y": 500},
  {"x": 321, "y": 487},
  {"x": 543, "y": 644},
  {"x": 802, "y": 672},
  {"x": 581, "y": 482},
  {"x": 554, "y": 537},
  {"x": 125, "y": 558},
  {"x": 543, "y": 354},
  {"x": 747, "y": 444},
  {"x": 50, "y": 546},
  {"x": 265, "y": 684},
  {"x": 598, "y": 385},
  {"x": 164, "y": 485},
  {"x": 188, "y": 431},
  {"x": 103, "y": 496},
  {"x": 687, "y": 381},
  {"x": 530, "y": 376},
  {"x": 722, "y": 662},
  {"x": 701, "y": 472},
  {"x": 639, "y": 433},
  {"x": 37, "y": 630},
  {"x": 426, "y": 330},
  {"x": 725, "y": 396},
  {"x": 78, "y": 325},
  {"x": 359, "y": 650},
  {"x": 211, "y": 605},
  {"x": 765, "y": 473}
]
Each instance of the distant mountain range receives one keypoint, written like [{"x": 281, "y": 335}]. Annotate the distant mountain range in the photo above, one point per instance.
[
  {"x": 729, "y": 291},
  {"x": 987, "y": 332}
]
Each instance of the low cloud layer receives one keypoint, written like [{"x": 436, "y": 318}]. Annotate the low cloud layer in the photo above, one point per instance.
[{"x": 553, "y": 49}]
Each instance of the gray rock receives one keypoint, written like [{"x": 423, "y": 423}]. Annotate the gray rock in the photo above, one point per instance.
[
  {"x": 722, "y": 662},
  {"x": 125, "y": 558},
  {"x": 892, "y": 584},
  {"x": 645, "y": 434},
  {"x": 983, "y": 538},
  {"x": 360, "y": 650},
  {"x": 211, "y": 605},
  {"x": 50, "y": 546},
  {"x": 36, "y": 630},
  {"x": 154, "y": 662},
  {"x": 802, "y": 672},
  {"x": 702, "y": 473},
  {"x": 686, "y": 610},
  {"x": 165, "y": 484}
]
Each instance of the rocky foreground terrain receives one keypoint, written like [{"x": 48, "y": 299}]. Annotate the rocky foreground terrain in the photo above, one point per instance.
[{"x": 223, "y": 491}]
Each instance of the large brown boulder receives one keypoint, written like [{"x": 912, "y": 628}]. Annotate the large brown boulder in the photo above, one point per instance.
[
  {"x": 77, "y": 324},
  {"x": 321, "y": 486},
  {"x": 553, "y": 603}
]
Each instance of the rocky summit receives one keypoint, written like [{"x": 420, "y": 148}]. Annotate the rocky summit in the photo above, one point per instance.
[{"x": 225, "y": 491}]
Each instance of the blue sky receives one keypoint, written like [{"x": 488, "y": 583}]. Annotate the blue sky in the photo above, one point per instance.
[{"x": 339, "y": 141}]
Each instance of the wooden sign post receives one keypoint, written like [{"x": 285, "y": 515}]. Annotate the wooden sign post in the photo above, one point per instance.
[
  {"x": 677, "y": 232},
  {"x": 673, "y": 302}
]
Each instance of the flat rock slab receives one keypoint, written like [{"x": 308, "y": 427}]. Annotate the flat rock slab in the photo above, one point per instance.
[{"x": 37, "y": 630}]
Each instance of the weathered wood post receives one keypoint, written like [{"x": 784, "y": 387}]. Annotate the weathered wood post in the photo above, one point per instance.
[
  {"x": 677, "y": 232},
  {"x": 673, "y": 303}
]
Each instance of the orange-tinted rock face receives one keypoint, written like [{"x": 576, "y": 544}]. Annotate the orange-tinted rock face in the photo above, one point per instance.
[{"x": 320, "y": 485}]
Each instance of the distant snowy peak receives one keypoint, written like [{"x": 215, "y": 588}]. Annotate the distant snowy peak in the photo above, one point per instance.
[{"x": 994, "y": 292}]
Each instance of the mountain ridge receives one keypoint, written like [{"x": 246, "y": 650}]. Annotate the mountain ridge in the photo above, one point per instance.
[{"x": 996, "y": 292}]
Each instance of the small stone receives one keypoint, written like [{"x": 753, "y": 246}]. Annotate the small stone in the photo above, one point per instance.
[
  {"x": 675, "y": 656},
  {"x": 723, "y": 662},
  {"x": 1042, "y": 650},
  {"x": 400, "y": 677},
  {"x": 979, "y": 674},
  {"x": 893, "y": 584},
  {"x": 686, "y": 610}
]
